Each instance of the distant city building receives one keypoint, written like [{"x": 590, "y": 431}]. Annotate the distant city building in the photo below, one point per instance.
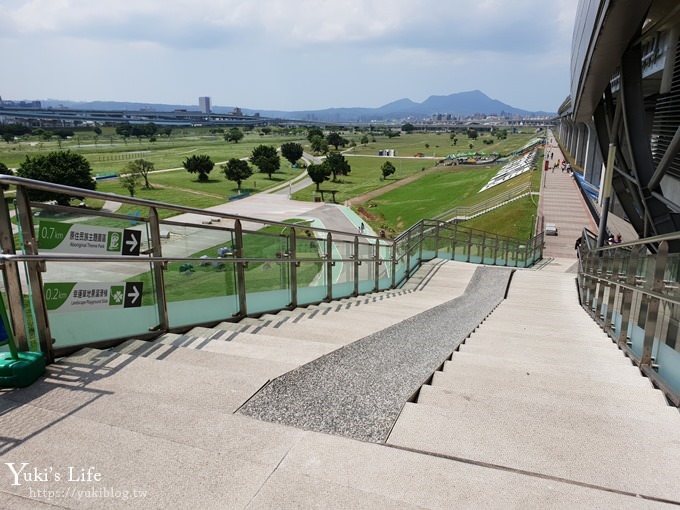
[{"x": 204, "y": 104}]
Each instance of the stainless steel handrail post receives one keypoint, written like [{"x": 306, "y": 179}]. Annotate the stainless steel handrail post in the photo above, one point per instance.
[
  {"x": 12, "y": 276},
  {"x": 293, "y": 265},
  {"x": 159, "y": 271},
  {"x": 408, "y": 252},
  {"x": 240, "y": 270},
  {"x": 35, "y": 270},
  {"x": 627, "y": 298},
  {"x": 495, "y": 251},
  {"x": 376, "y": 265},
  {"x": 613, "y": 292},
  {"x": 329, "y": 267},
  {"x": 653, "y": 305},
  {"x": 394, "y": 264},
  {"x": 357, "y": 263},
  {"x": 469, "y": 246}
]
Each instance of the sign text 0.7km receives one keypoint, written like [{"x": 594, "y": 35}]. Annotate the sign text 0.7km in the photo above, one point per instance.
[{"x": 87, "y": 239}]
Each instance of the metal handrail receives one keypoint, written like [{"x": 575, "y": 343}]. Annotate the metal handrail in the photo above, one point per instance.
[
  {"x": 615, "y": 294},
  {"x": 394, "y": 264}
]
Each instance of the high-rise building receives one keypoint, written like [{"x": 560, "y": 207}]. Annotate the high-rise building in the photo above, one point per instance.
[{"x": 204, "y": 104}]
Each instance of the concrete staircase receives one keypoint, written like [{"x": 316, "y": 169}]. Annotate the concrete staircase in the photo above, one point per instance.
[
  {"x": 541, "y": 390},
  {"x": 537, "y": 409}
]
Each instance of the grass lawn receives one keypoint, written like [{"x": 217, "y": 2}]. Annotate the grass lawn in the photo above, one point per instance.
[
  {"x": 441, "y": 145},
  {"x": 435, "y": 192},
  {"x": 366, "y": 176}
]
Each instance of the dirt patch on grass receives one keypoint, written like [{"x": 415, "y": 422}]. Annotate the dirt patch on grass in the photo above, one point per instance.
[{"x": 361, "y": 199}]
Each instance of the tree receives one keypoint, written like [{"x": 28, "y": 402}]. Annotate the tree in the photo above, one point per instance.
[
  {"x": 234, "y": 135},
  {"x": 5, "y": 171},
  {"x": 335, "y": 140},
  {"x": 387, "y": 169},
  {"x": 200, "y": 164},
  {"x": 364, "y": 140},
  {"x": 319, "y": 144},
  {"x": 59, "y": 167},
  {"x": 266, "y": 159},
  {"x": 130, "y": 181},
  {"x": 319, "y": 173},
  {"x": 337, "y": 164},
  {"x": 291, "y": 151},
  {"x": 141, "y": 168},
  {"x": 237, "y": 170},
  {"x": 312, "y": 132},
  {"x": 472, "y": 133},
  {"x": 408, "y": 128},
  {"x": 392, "y": 134}
]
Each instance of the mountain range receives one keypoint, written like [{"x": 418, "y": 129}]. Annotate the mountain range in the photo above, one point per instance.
[{"x": 460, "y": 104}]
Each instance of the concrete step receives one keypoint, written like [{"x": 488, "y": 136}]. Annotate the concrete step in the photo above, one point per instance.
[
  {"x": 595, "y": 449},
  {"x": 507, "y": 396},
  {"x": 291, "y": 351},
  {"x": 184, "y": 377},
  {"x": 624, "y": 373},
  {"x": 473, "y": 377},
  {"x": 543, "y": 351},
  {"x": 215, "y": 358}
]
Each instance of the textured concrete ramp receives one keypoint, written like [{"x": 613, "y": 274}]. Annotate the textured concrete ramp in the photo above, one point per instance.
[{"x": 359, "y": 390}]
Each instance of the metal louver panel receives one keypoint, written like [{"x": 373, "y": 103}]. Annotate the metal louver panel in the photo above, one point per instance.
[{"x": 667, "y": 119}]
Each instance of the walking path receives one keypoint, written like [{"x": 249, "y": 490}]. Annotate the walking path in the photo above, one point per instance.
[{"x": 562, "y": 204}]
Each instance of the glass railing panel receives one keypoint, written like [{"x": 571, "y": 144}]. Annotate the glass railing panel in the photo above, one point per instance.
[
  {"x": 343, "y": 270},
  {"x": 521, "y": 256},
  {"x": 267, "y": 301},
  {"x": 489, "y": 251},
  {"x": 201, "y": 288},
  {"x": 101, "y": 303},
  {"x": 667, "y": 352},
  {"x": 400, "y": 271},
  {"x": 476, "y": 249},
  {"x": 200, "y": 291},
  {"x": 312, "y": 285},
  {"x": 366, "y": 277}
]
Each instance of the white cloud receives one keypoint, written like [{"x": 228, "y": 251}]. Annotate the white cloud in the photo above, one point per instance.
[{"x": 282, "y": 53}]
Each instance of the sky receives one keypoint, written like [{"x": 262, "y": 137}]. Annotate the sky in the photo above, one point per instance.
[{"x": 286, "y": 54}]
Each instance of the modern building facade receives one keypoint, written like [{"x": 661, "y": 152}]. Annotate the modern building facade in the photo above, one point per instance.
[
  {"x": 204, "y": 104},
  {"x": 625, "y": 101}
]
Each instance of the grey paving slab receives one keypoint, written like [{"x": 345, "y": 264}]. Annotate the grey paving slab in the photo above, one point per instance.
[
  {"x": 288, "y": 490},
  {"x": 290, "y": 351},
  {"x": 549, "y": 352},
  {"x": 589, "y": 448},
  {"x": 226, "y": 387},
  {"x": 547, "y": 358},
  {"x": 359, "y": 389},
  {"x": 535, "y": 374},
  {"x": 571, "y": 403},
  {"x": 137, "y": 470},
  {"x": 422, "y": 480}
]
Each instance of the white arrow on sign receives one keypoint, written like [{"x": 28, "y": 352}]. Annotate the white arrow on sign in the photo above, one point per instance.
[
  {"x": 134, "y": 294},
  {"x": 132, "y": 243}
]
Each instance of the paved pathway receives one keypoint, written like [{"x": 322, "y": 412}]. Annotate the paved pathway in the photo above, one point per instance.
[{"x": 561, "y": 203}]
